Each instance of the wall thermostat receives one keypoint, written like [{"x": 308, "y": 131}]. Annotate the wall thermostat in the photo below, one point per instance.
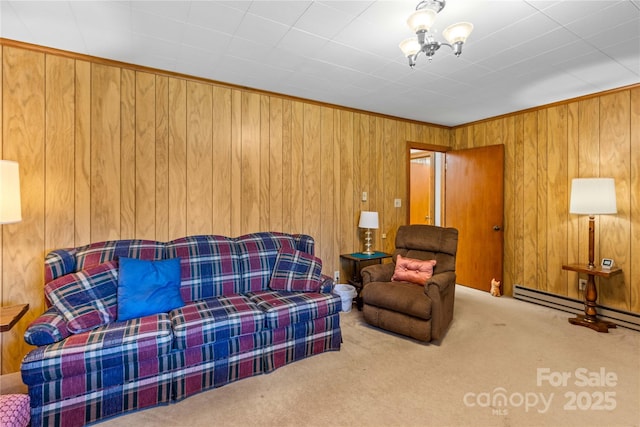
[{"x": 607, "y": 263}]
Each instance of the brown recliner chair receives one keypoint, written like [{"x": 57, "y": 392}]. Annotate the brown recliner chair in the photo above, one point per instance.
[{"x": 420, "y": 312}]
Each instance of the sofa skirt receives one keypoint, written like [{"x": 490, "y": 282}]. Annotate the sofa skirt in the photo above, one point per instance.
[
  {"x": 104, "y": 403},
  {"x": 300, "y": 340}
]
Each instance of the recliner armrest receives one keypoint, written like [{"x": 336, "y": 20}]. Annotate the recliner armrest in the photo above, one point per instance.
[
  {"x": 442, "y": 281},
  {"x": 377, "y": 273}
]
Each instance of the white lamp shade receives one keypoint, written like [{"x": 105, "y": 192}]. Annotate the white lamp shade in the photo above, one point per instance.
[
  {"x": 410, "y": 46},
  {"x": 368, "y": 219},
  {"x": 10, "y": 210},
  {"x": 421, "y": 20},
  {"x": 457, "y": 32},
  {"x": 593, "y": 196}
]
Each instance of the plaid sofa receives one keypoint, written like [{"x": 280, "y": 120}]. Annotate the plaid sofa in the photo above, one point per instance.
[{"x": 232, "y": 326}]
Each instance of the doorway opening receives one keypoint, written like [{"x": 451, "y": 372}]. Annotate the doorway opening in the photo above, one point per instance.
[{"x": 426, "y": 187}]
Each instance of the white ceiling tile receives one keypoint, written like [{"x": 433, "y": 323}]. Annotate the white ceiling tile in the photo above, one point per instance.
[
  {"x": 285, "y": 12},
  {"x": 206, "y": 39},
  {"x": 300, "y": 41},
  {"x": 215, "y": 16},
  {"x": 262, "y": 30},
  {"x": 323, "y": 21},
  {"x": 175, "y": 10},
  {"x": 155, "y": 26}
]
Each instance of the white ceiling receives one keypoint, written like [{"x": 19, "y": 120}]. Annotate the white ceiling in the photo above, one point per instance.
[{"x": 521, "y": 54}]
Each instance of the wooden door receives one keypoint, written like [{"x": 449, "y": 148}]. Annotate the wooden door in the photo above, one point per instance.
[
  {"x": 474, "y": 204},
  {"x": 421, "y": 190}
]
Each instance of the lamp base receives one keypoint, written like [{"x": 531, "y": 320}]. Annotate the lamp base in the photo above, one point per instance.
[
  {"x": 367, "y": 243},
  {"x": 595, "y": 324}
]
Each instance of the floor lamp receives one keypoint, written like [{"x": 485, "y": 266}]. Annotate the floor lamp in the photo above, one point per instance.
[{"x": 592, "y": 196}]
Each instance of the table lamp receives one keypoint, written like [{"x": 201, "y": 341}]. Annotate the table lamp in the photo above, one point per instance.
[
  {"x": 10, "y": 210},
  {"x": 368, "y": 220},
  {"x": 592, "y": 196}
]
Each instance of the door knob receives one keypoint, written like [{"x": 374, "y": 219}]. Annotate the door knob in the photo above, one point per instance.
[{"x": 496, "y": 228}]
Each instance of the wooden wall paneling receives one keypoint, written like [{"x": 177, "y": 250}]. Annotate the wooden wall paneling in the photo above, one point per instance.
[
  {"x": 265, "y": 163},
  {"x": 348, "y": 215},
  {"x": 478, "y": 135},
  {"x": 275, "y": 165},
  {"x": 388, "y": 219},
  {"x": 557, "y": 199},
  {"x": 507, "y": 138},
  {"x": 177, "y": 203},
  {"x": 200, "y": 209},
  {"x": 402, "y": 131},
  {"x": 162, "y": 159},
  {"x": 250, "y": 163},
  {"x": 105, "y": 153},
  {"x": 518, "y": 205},
  {"x": 633, "y": 275},
  {"x": 236, "y": 163},
  {"x": 312, "y": 167},
  {"x": 614, "y": 230},
  {"x": 364, "y": 159},
  {"x": 23, "y": 127},
  {"x": 286, "y": 166},
  {"x": 530, "y": 200},
  {"x": 376, "y": 132},
  {"x": 128, "y": 172},
  {"x": 358, "y": 234},
  {"x": 145, "y": 210},
  {"x": 59, "y": 155},
  {"x": 222, "y": 160},
  {"x": 297, "y": 165},
  {"x": 327, "y": 241},
  {"x": 336, "y": 199},
  {"x": 82, "y": 153},
  {"x": 573, "y": 150},
  {"x": 542, "y": 202}
]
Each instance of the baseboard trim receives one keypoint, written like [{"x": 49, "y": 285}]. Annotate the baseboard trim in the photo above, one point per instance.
[{"x": 622, "y": 318}]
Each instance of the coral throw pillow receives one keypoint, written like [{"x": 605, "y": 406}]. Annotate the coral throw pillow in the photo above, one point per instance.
[{"x": 413, "y": 270}]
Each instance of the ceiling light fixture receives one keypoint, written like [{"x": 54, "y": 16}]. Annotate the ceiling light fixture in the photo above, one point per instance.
[{"x": 420, "y": 23}]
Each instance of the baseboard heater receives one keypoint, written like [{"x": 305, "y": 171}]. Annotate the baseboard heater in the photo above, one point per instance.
[{"x": 575, "y": 306}]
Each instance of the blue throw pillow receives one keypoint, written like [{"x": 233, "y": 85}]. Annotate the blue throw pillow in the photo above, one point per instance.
[{"x": 148, "y": 287}]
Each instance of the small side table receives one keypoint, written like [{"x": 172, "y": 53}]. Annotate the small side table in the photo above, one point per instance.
[
  {"x": 357, "y": 259},
  {"x": 590, "y": 317},
  {"x": 9, "y": 316}
]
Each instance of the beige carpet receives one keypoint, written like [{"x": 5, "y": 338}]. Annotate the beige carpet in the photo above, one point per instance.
[{"x": 495, "y": 347}]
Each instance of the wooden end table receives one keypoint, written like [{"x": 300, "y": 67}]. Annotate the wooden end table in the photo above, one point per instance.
[
  {"x": 9, "y": 316},
  {"x": 357, "y": 260},
  {"x": 590, "y": 317}
]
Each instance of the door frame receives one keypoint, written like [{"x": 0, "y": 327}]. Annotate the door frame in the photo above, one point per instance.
[{"x": 425, "y": 147}]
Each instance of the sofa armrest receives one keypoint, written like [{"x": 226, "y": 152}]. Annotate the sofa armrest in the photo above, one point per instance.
[
  {"x": 377, "y": 273},
  {"x": 47, "y": 328},
  {"x": 326, "y": 284}
]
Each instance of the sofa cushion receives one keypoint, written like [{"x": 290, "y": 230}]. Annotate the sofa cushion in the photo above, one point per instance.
[
  {"x": 148, "y": 287},
  {"x": 216, "y": 319},
  {"x": 257, "y": 255},
  {"x": 115, "y": 344},
  {"x": 49, "y": 327},
  {"x": 413, "y": 270},
  {"x": 86, "y": 299},
  {"x": 296, "y": 271},
  {"x": 286, "y": 308},
  {"x": 209, "y": 266}
]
